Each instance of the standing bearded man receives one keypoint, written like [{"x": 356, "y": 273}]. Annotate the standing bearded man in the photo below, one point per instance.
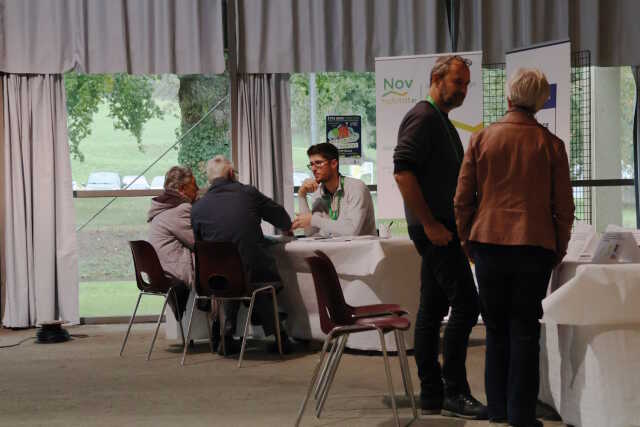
[{"x": 427, "y": 160}]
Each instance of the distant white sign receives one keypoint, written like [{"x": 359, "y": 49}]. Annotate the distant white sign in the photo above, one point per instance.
[{"x": 401, "y": 82}]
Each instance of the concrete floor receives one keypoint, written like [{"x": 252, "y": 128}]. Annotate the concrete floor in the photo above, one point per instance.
[{"x": 85, "y": 383}]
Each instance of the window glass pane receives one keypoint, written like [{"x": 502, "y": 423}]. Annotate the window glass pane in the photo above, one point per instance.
[
  {"x": 613, "y": 106},
  {"x": 614, "y": 205},
  {"x": 119, "y": 126}
]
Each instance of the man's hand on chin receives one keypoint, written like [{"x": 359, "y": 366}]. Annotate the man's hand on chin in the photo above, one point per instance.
[
  {"x": 308, "y": 186},
  {"x": 301, "y": 221}
]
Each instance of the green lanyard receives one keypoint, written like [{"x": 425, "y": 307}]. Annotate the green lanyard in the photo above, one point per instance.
[
  {"x": 446, "y": 127},
  {"x": 339, "y": 192}
]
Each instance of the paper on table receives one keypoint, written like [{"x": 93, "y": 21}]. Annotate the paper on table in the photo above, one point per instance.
[
  {"x": 599, "y": 294},
  {"x": 616, "y": 247},
  {"x": 634, "y": 231},
  {"x": 583, "y": 242}
]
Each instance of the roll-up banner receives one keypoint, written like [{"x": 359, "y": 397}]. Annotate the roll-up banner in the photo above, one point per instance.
[
  {"x": 401, "y": 82},
  {"x": 554, "y": 60}
]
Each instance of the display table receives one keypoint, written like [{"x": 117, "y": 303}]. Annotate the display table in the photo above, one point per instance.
[
  {"x": 590, "y": 345},
  {"x": 371, "y": 271}
]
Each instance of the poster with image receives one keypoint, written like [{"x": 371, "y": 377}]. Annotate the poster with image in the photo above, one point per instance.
[{"x": 345, "y": 132}]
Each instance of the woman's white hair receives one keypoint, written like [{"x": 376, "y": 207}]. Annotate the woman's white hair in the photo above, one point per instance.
[
  {"x": 528, "y": 88},
  {"x": 218, "y": 167}
]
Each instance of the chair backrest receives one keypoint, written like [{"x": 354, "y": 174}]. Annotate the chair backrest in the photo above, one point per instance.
[
  {"x": 145, "y": 260},
  {"x": 219, "y": 270},
  {"x": 332, "y": 307}
]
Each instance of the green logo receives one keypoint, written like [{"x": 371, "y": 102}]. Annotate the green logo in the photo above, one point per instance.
[{"x": 396, "y": 87}]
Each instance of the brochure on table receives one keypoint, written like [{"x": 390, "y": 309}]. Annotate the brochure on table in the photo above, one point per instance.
[{"x": 615, "y": 245}]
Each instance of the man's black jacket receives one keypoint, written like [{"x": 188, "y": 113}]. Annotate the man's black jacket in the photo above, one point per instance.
[{"x": 232, "y": 212}]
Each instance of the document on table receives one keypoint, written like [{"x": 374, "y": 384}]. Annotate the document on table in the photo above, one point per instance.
[
  {"x": 616, "y": 247},
  {"x": 583, "y": 243},
  {"x": 336, "y": 238}
]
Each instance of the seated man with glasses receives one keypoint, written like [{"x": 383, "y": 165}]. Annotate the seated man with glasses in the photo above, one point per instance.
[{"x": 341, "y": 206}]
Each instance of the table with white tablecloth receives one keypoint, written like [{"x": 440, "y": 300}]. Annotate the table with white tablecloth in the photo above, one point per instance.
[
  {"x": 590, "y": 345},
  {"x": 371, "y": 271}
]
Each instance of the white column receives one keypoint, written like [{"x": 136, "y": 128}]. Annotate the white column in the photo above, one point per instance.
[{"x": 606, "y": 157}]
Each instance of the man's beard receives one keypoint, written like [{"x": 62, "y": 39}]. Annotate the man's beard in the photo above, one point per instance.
[{"x": 451, "y": 101}]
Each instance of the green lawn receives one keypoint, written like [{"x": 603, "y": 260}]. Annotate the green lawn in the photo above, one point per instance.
[
  {"x": 115, "y": 299},
  {"x": 112, "y": 150}
]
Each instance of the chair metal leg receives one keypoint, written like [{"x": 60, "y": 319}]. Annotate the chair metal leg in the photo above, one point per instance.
[
  {"x": 330, "y": 376},
  {"x": 325, "y": 367},
  {"x": 313, "y": 379},
  {"x": 186, "y": 341},
  {"x": 133, "y": 316},
  {"x": 246, "y": 328},
  {"x": 221, "y": 319},
  {"x": 387, "y": 368},
  {"x": 403, "y": 371},
  {"x": 175, "y": 298},
  {"x": 402, "y": 353},
  {"x": 209, "y": 326},
  {"x": 155, "y": 334},
  {"x": 276, "y": 318}
]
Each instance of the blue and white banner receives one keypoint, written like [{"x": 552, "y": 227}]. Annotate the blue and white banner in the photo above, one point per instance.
[{"x": 554, "y": 60}]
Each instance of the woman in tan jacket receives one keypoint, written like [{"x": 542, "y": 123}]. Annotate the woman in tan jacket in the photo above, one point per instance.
[
  {"x": 170, "y": 231},
  {"x": 514, "y": 210}
]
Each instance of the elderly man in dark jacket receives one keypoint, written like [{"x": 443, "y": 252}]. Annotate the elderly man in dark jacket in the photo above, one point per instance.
[{"x": 232, "y": 212}]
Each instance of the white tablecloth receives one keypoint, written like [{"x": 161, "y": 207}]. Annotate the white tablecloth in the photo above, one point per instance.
[
  {"x": 371, "y": 271},
  {"x": 590, "y": 345}
]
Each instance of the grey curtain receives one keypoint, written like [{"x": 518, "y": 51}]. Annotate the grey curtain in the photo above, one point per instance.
[
  {"x": 496, "y": 26},
  {"x": 609, "y": 29},
  {"x": 2, "y": 208},
  {"x": 284, "y": 36},
  {"x": 98, "y": 36},
  {"x": 264, "y": 135},
  {"x": 636, "y": 142},
  {"x": 40, "y": 241}
]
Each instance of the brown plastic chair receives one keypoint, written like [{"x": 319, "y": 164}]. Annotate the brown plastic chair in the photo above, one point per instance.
[
  {"x": 220, "y": 277},
  {"x": 155, "y": 282},
  {"x": 338, "y": 320}
]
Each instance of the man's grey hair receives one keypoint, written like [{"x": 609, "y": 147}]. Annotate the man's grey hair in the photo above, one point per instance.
[
  {"x": 218, "y": 167},
  {"x": 528, "y": 88},
  {"x": 442, "y": 65}
]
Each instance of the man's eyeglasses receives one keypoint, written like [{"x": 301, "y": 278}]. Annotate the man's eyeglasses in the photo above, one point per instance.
[{"x": 316, "y": 163}]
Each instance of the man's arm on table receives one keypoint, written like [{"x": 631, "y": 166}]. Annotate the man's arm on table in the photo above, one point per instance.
[{"x": 349, "y": 221}]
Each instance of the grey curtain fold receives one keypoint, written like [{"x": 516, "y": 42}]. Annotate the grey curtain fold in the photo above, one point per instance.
[
  {"x": 2, "y": 207},
  {"x": 40, "y": 241},
  {"x": 609, "y": 29},
  {"x": 284, "y": 36},
  {"x": 264, "y": 135},
  {"x": 636, "y": 141},
  {"x": 97, "y": 36},
  {"x": 497, "y": 26}
]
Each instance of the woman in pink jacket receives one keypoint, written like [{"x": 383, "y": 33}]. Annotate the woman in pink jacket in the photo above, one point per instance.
[{"x": 170, "y": 231}]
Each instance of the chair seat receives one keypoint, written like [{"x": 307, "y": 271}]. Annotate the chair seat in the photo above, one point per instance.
[
  {"x": 378, "y": 310},
  {"x": 387, "y": 324}
]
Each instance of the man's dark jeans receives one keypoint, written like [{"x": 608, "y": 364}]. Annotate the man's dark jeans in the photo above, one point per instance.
[
  {"x": 513, "y": 281},
  {"x": 447, "y": 281}
]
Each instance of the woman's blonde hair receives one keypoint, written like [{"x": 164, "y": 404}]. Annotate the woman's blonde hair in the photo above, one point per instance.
[
  {"x": 528, "y": 88},
  {"x": 176, "y": 177}
]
